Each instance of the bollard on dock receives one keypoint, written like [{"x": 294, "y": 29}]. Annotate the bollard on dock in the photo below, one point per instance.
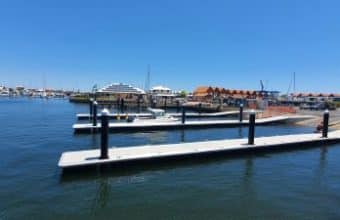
[
  {"x": 91, "y": 108},
  {"x": 118, "y": 104},
  {"x": 138, "y": 103},
  {"x": 122, "y": 106},
  {"x": 177, "y": 106},
  {"x": 104, "y": 144},
  {"x": 241, "y": 113},
  {"x": 94, "y": 118},
  {"x": 325, "y": 124},
  {"x": 183, "y": 115},
  {"x": 165, "y": 103},
  {"x": 251, "y": 134}
]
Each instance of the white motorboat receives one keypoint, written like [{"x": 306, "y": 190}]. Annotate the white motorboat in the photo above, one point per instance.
[
  {"x": 158, "y": 115},
  {"x": 4, "y": 93}
]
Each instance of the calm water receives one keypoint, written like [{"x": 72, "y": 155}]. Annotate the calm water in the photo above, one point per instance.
[{"x": 301, "y": 184}]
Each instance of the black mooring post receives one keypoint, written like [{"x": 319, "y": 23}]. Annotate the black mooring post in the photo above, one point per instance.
[
  {"x": 94, "y": 118},
  {"x": 104, "y": 144},
  {"x": 118, "y": 104},
  {"x": 91, "y": 108},
  {"x": 325, "y": 124},
  {"x": 165, "y": 103},
  {"x": 241, "y": 113},
  {"x": 138, "y": 104},
  {"x": 177, "y": 106},
  {"x": 122, "y": 105},
  {"x": 251, "y": 134},
  {"x": 183, "y": 115}
]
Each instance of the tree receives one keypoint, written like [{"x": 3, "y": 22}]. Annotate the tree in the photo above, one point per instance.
[{"x": 183, "y": 94}]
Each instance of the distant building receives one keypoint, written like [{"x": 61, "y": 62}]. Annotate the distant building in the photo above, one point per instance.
[
  {"x": 161, "y": 95},
  {"x": 231, "y": 96},
  {"x": 120, "y": 90},
  {"x": 161, "y": 91},
  {"x": 208, "y": 93},
  {"x": 315, "y": 97},
  {"x": 203, "y": 93}
]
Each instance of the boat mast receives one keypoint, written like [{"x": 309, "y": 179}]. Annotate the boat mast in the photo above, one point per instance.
[
  {"x": 147, "y": 81},
  {"x": 294, "y": 83}
]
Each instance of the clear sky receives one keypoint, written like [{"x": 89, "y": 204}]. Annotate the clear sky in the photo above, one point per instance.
[{"x": 233, "y": 44}]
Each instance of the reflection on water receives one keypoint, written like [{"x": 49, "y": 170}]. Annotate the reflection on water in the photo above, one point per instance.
[
  {"x": 182, "y": 135},
  {"x": 240, "y": 132},
  {"x": 94, "y": 141},
  {"x": 248, "y": 171},
  {"x": 323, "y": 155},
  {"x": 103, "y": 194}
]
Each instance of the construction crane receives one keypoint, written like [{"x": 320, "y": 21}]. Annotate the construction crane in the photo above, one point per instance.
[{"x": 262, "y": 85}]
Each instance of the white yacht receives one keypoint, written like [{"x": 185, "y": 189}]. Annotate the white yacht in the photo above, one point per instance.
[
  {"x": 158, "y": 115},
  {"x": 5, "y": 93}
]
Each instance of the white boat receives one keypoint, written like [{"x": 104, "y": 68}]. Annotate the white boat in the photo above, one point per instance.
[
  {"x": 158, "y": 115},
  {"x": 4, "y": 93}
]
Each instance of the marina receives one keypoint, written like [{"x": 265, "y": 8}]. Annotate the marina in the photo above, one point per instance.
[{"x": 169, "y": 110}]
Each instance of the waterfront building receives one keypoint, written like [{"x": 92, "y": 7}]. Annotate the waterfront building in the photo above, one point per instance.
[
  {"x": 161, "y": 91},
  {"x": 222, "y": 95},
  {"x": 120, "y": 90},
  {"x": 162, "y": 95},
  {"x": 203, "y": 94}
]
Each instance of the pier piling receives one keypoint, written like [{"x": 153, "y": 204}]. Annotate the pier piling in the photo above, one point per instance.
[
  {"x": 325, "y": 124},
  {"x": 118, "y": 104},
  {"x": 91, "y": 108},
  {"x": 241, "y": 113},
  {"x": 138, "y": 103},
  {"x": 104, "y": 134},
  {"x": 177, "y": 106},
  {"x": 183, "y": 115},
  {"x": 251, "y": 134},
  {"x": 94, "y": 118},
  {"x": 122, "y": 106},
  {"x": 165, "y": 103}
]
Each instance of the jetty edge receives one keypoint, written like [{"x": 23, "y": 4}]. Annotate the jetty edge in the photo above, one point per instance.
[
  {"x": 149, "y": 126},
  {"x": 87, "y": 116},
  {"x": 135, "y": 154}
]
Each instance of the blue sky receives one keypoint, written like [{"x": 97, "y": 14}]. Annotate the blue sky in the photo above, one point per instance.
[{"x": 234, "y": 44}]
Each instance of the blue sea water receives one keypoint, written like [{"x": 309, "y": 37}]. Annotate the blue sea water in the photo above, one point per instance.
[{"x": 301, "y": 184}]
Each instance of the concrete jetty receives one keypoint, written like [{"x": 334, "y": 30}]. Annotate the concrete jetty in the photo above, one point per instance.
[
  {"x": 86, "y": 116},
  {"x": 174, "y": 151},
  {"x": 149, "y": 125}
]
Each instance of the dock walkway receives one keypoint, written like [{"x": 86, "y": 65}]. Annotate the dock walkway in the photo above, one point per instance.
[
  {"x": 86, "y": 116},
  {"x": 146, "y": 125},
  {"x": 150, "y": 152}
]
